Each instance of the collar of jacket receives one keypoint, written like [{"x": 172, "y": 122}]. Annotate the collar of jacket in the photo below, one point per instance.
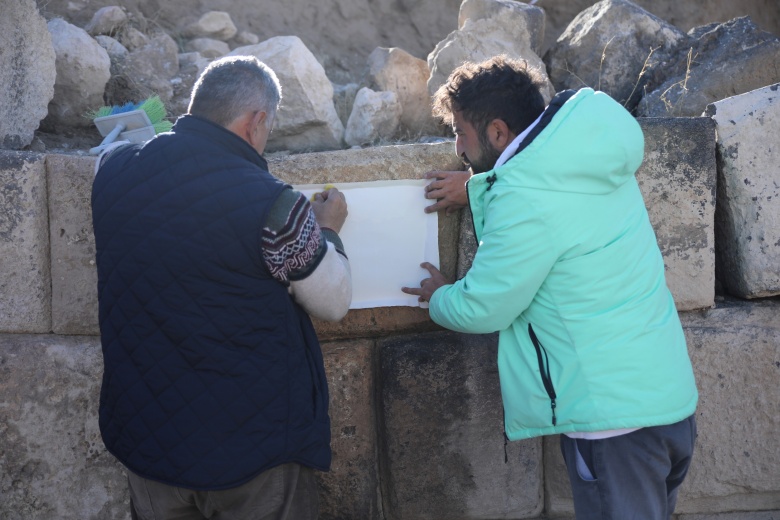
[{"x": 189, "y": 124}]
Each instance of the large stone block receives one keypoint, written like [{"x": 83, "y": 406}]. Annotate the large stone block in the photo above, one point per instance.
[
  {"x": 748, "y": 216},
  {"x": 677, "y": 179},
  {"x": 375, "y": 164},
  {"x": 25, "y": 284},
  {"x": 52, "y": 461},
  {"x": 73, "y": 271},
  {"x": 735, "y": 351},
  {"x": 443, "y": 452},
  {"x": 73, "y": 250},
  {"x": 27, "y": 72},
  {"x": 350, "y": 491}
]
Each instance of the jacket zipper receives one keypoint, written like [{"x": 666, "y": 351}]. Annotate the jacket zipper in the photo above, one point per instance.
[{"x": 544, "y": 370}]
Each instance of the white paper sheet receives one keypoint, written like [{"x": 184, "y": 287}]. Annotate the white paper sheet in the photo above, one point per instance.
[{"x": 387, "y": 236}]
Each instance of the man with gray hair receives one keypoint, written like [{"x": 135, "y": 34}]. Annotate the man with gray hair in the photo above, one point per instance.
[{"x": 214, "y": 393}]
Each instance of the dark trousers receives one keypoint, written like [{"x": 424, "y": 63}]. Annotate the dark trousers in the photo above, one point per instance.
[
  {"x": 631, "y": 476},
  {"x": 286, "y": 492}
]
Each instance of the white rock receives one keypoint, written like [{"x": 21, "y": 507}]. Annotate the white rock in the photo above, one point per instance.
[
  {"x": 507, "y": 32},
  {"x": 106, "y": 20},
  {"x": 27, "y": 73},
  {"x": 214, "y": 24},
  {"x": 116, "y": 51},
  {"x": 152, "y": 67},
  {"x": 307, "y": 119},
  {"x": 83, "y": 69},
  {"x": 397, "y": 71},
  {"x": 208, "y": 47},
  {"x": 375, "y": 116},
  {"x": 748, "y": 217},
  {"x": 247, "y": 38},
  {"x": 132, "y": 38}
]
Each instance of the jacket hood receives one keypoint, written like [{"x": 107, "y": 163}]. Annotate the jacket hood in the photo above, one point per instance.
[{"x": 590, "y": 145}]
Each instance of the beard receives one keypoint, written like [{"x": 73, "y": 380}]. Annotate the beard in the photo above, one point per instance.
[{"x": 487, "y": 156}]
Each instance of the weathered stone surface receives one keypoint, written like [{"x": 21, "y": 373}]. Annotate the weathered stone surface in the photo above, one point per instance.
[
  {"x": 132, "y": 38},
  {"x": 208, "y": 47},
  {"x": 748, "y": 214},
  {"x": 247, "y": 38},
  {"x": 344, "y": 99},
  {"x": 75, "y": 285},
  {"x": 148, "y": 70},
  {"x": 605, "y": 47},
  {"x": 398, "y": 71},
  {"x": 307, "y": 119},
  {"x": 83, "y": 69},
  {"x": 73, "y": 271},
  {"x": 717, "y": 62},
  {"x": 106, "y": 20},
  {"x": 350, "y": 490},
  {"x": 116, "y": 51},
  {"x": 27, "y": 72},
  {"x": 759, "y": 515},
  {"x": 375, "y": 117},
  {"x": 735, "y": 351},
  {"x": 214, "y": 24},
  {"x": 443, "y": 447},
  {"x": 486, "y": 9},
  {"x": 677, "y": 179},
  {"x": 373, "y": 164},
  {"x": 507, "y": 31},
  {"x": 53, "y": 463},
  {"x": 25, "y": 280}
]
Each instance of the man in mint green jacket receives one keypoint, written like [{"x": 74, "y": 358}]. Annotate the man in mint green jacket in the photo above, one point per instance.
[{"x": 568, "y": 271}]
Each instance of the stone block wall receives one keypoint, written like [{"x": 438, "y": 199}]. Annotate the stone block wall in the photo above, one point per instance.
[{"x": 416, "y": 411}]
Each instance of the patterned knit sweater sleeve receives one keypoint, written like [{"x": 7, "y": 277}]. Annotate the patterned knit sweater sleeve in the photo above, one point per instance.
[{"x": 308, "y": 259}]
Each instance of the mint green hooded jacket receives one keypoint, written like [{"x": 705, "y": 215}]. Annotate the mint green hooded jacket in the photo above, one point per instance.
[{"x": 566, "y": 247}]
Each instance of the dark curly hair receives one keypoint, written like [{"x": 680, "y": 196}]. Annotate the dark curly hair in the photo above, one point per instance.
[{"x": 497, "y": 88}]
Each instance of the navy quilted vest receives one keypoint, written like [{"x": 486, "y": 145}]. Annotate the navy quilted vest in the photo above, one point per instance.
[{"x": 212, "y": 373}]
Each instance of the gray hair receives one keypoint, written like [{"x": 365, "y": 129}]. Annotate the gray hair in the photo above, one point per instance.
[{"x": 233, "y": 86}]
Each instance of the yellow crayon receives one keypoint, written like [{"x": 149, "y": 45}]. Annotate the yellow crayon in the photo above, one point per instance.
[{"x": 327, "y": 187}]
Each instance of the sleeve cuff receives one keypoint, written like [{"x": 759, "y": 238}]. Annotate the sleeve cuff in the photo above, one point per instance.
[{"x": 333, "y": 237}]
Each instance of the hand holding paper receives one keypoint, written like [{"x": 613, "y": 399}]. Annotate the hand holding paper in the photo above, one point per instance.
[
  {"x": 449, "y": 188},
  {"x": 428, "y": 286}
]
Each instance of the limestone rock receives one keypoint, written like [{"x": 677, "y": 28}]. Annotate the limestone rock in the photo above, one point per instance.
[
  {"x": 397, "y": 71},
  {"x": 106, "y": 21},
  {"x": 720, "y": 61},
  {"x": 440, "y": 396},
  {"x": 748, "y": 215},
  {"x": 247, "y": 38},
  {"x": 148, "y": 70},
  {"x": 208, "y": 47},
  {"x": 215, "y": 24},
  {"x": 344, "y": 100},
  {"x": 375, "y": 116},
  {"x": 486, "y": 9},
  {"x": 54, "y": 461},
  {"x": 83, "y": 69},
  {"x": 116, "y": 51},
  {"x": 27, "y": 72},
  {"x": 73, "y": 273},
  {"x": 508, "y": 31},
  {"x": 307, "y": 118},
  {"x": 132, "y": 38},
  {"x": 25, "y": 279},
  {"x": 605, "y": 47}
]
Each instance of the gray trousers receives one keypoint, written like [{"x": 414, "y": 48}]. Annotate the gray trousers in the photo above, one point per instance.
[
  {"x": 286, "y": 492},
  {"x": 632, "y": 476}
]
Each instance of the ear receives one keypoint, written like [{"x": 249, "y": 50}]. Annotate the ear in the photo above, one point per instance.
[
  {"x": 499, "y": 134},
  {"x": 254, "y": 123}
]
